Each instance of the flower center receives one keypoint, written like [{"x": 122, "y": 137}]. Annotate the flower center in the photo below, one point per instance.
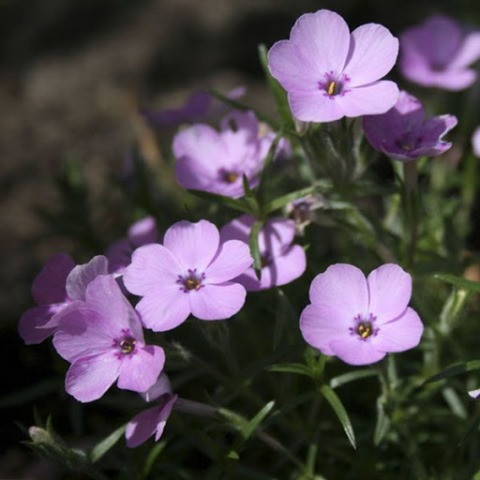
[
  {"x": 229, "y": 176},
  {"x": 364, "y": 326},
  {"x": 127, "y": 345},
  {"x": 333, "y": 84},
  {"x": 191, "y": 281}
]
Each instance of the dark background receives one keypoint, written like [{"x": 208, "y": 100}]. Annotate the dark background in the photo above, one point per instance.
[{"x": 73, "y": 74}]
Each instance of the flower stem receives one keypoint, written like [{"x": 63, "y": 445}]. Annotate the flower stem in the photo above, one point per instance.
[{"x": 411, "y": 209}]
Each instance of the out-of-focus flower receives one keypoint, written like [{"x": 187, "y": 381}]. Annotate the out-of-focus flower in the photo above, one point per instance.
[
  {"x": 190, "y": 273},
  {"x": 476, "y": 142},
  {"x": 282, "y": 262},
  {"x": 119, "y": 254},
  {"x": 405, "y": 134},
  {"x": 103, "y": 340},
  {"x": 216, "y": 161},
  {"x": 301, "y": 211},
  {"x": 152, "y": 421},
  {"x": 330, "y": 73},
  {"x": 438, "y": 53},
  {"x": 58, "y": 284},
  {"x": 200, "y": 106},
  {"x": 361, "y": 319}
]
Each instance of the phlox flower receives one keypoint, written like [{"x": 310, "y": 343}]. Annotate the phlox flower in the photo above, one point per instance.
[
  {"x": 438, "y": 53},
  {"x": 119, "y": 253},
  {"x": 282, "y": 262},
  {"x": 405, "y": 134},
  {"x": 58, "y": 284},
  {"x": 330, "y": 73},
  {"x": 152, "y": 421},
  {"x": 103, "y": 340},
  {"x": 216, "y": 161},
  {"x": 476, "y": 142},
  {"x": 190, "y": 273},
  {"x": 361, "y": 319}
]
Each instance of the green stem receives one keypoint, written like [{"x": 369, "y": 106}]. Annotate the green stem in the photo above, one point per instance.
[{"x": 411, "y": 209}]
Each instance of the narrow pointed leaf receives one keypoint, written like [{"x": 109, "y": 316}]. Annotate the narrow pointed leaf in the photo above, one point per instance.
[
  {"x": 455, "y": 370},
  {"x": 233, "y": 203},
  {"x": 289, "y": 197},
  {"x": 255, "y": 422},
  {"x": 296, "y": 368},
  {"x": 254, "y": 248},
  {"x": 99, "y": 450},
  {"x": 352, "y": 376},
  {"x": 342, "y": 415},
  {"x": 459, "y": 282}
]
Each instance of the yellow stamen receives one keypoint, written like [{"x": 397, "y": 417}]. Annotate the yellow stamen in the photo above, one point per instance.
[
  {"x": 231, "y": 177},
  {"x": 331, "y": 88},
  {"x": 364, "y": 330}
]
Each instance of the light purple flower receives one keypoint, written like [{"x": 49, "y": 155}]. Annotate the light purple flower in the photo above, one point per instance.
[
  {"x": 330, "y": 73},
  {"x": 282, "y": 262},
  {"x": 476, "y": 142},
  {"x": 200, "y": 106},
  {"x": 438, "y": 53},
  {"x": 215, "y": 161},
  {"x": 119, "y": 254},
  {"x": 58, "y": 284},
  {"x": 405, "y": 134},
  {"x": 190, "y": 273},
  {"x": 103, "y": 340},
  {"x": 361, "y": 319},
  {"x": 152, "y": 421}
]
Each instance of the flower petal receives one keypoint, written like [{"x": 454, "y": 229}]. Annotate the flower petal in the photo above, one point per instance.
[
  {"x": 119, "y": 255},
  {"x": 355, "y": 351},
  {"x": 143, "y": 232},
  {"x": 476, "y": 142},
  {"x": 401, "y": 334},
  {"x": 319, "y": 326},
  {"x": 373, "y": 53},
  {"x": 193, "y": 244},
  {"x": 217, "y": 302},
  {"x": 314, "y": 106},
  {"x": 232, "y": 259},
  {"x": 153, "y": 266},
  {"x": 79, "y": 278},
  {"x": 31, "y": 320},
  {"x": 292, "y": 68},
  {"x": 104, "y": 296},
  {"x": 49, "y": 285},
  {"x": 468, "y": 53},
  {"x": 390, "y": 289},
  {"x": 201, "y": 142},
  {"x": 142, "y": 426},
  {"x": 83, "y": 331},
  {"x": 160, "y": 387},
  {"x": 164, "y": 309},
  {"x": 324, "y": 38},
  {"x": 281, "y": 270},
  {"x": 342, "y": 290},
  {"x": 88, "y": 378},
  {"x": 379, "y": 97},
  {"x": 140, "y": 370}
]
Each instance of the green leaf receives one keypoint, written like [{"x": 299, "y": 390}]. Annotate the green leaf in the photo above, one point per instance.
[
  {"x": 289, "y": 197},
  {"x": 264, "y": 176},
  {"x": 455, "y": 370},
  {"x": 278, "y": 92},
  {"x": 236, "y": 204},
  {"x": 152, "y": 458},
  {"x": 352, "y": 376},
  {"x": 296, "y": 368},
  {"x": 254, "y": 247},
  {"x": 340, "y": 412},
  {"x": 255, "y": 422},
  {"x": 459, "y": 282},
  {"x": 284, "y": 315},
  {"x": 454, "y": 402},
  {"x": 99, "y": 450},
  {"x": 473, "y": 428},
  {"x": 383, "y": 423}
]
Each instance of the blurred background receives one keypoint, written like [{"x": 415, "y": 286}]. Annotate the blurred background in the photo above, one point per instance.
[{"x": 74, "y": 75}]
